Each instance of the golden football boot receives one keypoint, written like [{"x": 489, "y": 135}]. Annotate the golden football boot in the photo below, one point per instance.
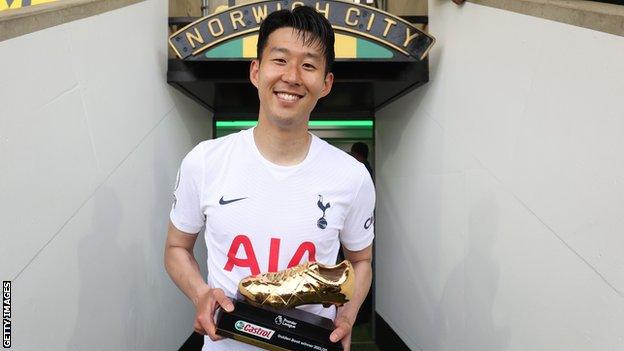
[{"x": 307, "y": 283}]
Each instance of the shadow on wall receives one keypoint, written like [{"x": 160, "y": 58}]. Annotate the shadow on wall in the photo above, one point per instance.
[
  {"x": 126, "y": 300},
  {"x": 112, "y": 281},
  {"x": 168, "y": 155},
  {"x": 394, "y": 203},
  {"x": 471, "y": 287},
  {"x": 406, "y": 136},
  {"x": 461, "y": 317}
]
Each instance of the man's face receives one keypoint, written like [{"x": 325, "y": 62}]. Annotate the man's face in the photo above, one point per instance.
[{"x": 290, "y": 78}]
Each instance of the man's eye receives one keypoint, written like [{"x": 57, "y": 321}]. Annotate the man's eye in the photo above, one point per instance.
[
  {"x": 309, "y": 66},
  {"x": 279, "y": 60}
]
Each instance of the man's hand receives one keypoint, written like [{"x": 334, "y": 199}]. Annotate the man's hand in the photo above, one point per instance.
[
  {"x": 207, "y": 304},
  {"x": 347, "y": 314},
  {"x": 344, "y": 324}
]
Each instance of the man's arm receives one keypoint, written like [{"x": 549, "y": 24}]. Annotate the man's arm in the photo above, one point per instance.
[
  {"x": 181, "y": 264},
  {"x": 346, "y": 315},
  {"x": 183, "y": 269}
]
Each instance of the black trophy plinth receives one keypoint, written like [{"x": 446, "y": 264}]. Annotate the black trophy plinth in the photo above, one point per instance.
[{"x": 278, "y": 330}]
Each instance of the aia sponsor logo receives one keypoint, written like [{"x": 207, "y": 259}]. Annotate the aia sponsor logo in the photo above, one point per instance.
[
  {"x": 253, "y": 329},
  {"x": 247, "y": 259}
]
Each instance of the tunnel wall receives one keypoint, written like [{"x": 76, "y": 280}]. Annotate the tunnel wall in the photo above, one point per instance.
[
  {"x": 91, "y": 140},
  {"x": 500, "y": 189}
]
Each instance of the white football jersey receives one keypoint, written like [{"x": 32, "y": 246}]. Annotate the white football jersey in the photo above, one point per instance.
[{"x": 261, "y": 217}]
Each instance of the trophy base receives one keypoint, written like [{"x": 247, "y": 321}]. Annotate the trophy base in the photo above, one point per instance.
[{"x": 278, "y": 330}]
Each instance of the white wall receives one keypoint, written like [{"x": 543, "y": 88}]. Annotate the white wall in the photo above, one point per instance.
[
  {"x": 500, "y": 214},
  {"x": 91, "y": 137}
]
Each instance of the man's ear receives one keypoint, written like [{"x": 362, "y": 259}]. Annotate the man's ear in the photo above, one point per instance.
[
  {"x": 327, "y": 85},
  {"x": 253, "y": 72}
]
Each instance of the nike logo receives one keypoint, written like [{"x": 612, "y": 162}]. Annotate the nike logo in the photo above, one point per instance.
[{"x": 225, "y": 202}]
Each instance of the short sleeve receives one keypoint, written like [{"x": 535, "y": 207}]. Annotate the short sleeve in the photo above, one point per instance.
[
  {"x": 186, "y": 213},
  {"x": 358, "y": 230}
]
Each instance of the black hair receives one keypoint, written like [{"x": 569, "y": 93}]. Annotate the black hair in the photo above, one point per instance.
[
  {"x": 312, "y": 27},
  {"x": 360, "y": 148}
]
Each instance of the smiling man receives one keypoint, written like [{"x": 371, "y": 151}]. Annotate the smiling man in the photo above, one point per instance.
[{"x": 275, "y": 195}]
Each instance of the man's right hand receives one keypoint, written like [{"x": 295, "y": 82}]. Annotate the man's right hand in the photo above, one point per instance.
[{"x": 207, "y": 304}]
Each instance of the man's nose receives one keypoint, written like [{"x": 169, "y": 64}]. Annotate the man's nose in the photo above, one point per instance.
[{"x": 291, "y": 74}]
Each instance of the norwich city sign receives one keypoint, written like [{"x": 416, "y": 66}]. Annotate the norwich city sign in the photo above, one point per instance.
[{"x": 409, "y": 42}]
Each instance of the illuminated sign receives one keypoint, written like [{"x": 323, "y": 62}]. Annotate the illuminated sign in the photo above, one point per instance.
[{"x": 345, "y": 17}]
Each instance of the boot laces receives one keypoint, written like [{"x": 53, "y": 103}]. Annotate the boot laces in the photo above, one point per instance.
[{"x": 276, "y": 277}]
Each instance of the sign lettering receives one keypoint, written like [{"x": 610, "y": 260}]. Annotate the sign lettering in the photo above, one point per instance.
[{"x": 409, "y": 42}]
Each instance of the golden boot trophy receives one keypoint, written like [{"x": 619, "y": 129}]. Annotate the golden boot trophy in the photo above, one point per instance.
[{"x": 267, "y": 316}]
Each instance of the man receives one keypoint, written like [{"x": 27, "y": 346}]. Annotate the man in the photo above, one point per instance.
[
  {"x": 359, "y": 150},
  {"x": 261, "y": 193}
]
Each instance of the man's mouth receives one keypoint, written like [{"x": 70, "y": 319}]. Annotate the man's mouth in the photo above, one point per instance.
[{"x": 290, "y": 97}]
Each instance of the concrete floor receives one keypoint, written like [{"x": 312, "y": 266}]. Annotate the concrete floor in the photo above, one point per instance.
[{"x": 362, "y": 338}]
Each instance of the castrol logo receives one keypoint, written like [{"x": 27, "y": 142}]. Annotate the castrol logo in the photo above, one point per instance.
[{"x": 253, "y": 329}]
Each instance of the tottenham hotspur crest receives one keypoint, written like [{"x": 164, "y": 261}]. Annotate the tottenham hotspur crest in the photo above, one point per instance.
[{"x": 322, "y": 222}]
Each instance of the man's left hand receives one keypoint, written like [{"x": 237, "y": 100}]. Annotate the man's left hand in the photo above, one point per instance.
[{"x": 344, "y": 324}]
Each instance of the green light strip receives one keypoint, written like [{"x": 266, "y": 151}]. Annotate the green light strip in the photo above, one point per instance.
[
  {"x": 340, "y": 123},
  {"x": 336, "y": 123},
  {"x": 236, "y": 124}
]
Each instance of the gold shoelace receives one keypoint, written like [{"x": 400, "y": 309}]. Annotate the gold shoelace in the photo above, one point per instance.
[{"x": 280, "y": 276}]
